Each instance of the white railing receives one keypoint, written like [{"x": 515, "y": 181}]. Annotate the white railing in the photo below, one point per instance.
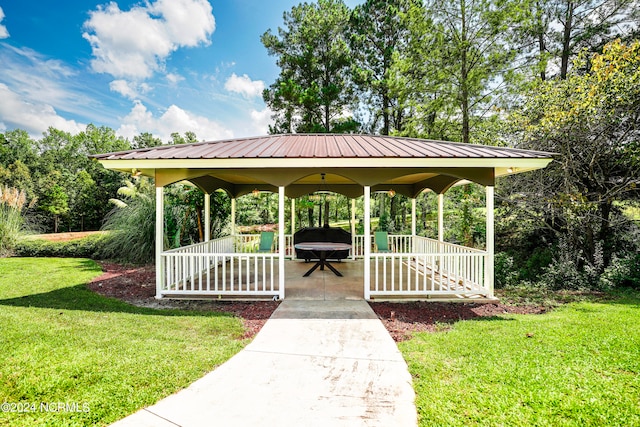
[
  {"x": 220, "y": 267},
  {"x": 357, "y": 248},
  {"x": 422, "y": 266},
  {"x": 427, "y": 274},
  {"x": 416, "y": 266},
  {"x": 248, "y": 243}
]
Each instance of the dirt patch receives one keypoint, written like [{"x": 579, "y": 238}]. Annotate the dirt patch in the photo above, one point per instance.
[
  {"x": 64, "y": 237},
  {"x": 136, "y": 285}
]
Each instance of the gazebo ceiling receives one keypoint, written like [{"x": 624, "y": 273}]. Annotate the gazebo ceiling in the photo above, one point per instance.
[{"x": 296, "y": 161}]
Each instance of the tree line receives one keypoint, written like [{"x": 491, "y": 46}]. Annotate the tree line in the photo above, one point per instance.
[
  {"x": 551, "y": 75},
  {"x": 434, "y": 69}
]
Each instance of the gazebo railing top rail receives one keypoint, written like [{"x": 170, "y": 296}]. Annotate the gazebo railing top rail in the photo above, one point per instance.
[{"x": 399, "y": 243}]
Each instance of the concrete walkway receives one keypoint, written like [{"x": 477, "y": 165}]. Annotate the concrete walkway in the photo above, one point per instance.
[{"x": 314, "y": 363}]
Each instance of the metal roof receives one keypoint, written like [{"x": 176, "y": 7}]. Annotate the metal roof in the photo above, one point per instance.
[
  {"x": 325, "y": 146},
  {"x": 349, "y": 162}
]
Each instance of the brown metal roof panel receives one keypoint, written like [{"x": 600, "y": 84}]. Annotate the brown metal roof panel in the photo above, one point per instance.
[
  {"x": 261, "y": 148},
  {"x": 148, "y": 154},
  {"x": 245, "y": 149},
  {"x": 386, "y": 148},
  {"x": 281, "y": 146},
  {"x": 357, "y": 145},
  {"x": 428, "y": 149},
  {"x": 457, "y": 151},
  {"x": 225, "y": 149},
  {"x": 419, "y": 148},
  {"x": 270, "y": 147},
  {"x": 371, "y": 146},
  {"x": 485, "y": 151},
  {"x": 346, "y": 146},
  {"x": 442, "y": 150},
  {"x": 273, "y": 147},
  {"x": 176, "y": 152},
  {"x": 287, "y": 148},
  {"x": 434, "y": 150},
  {"x": 201, "y": 151},
  {"x": 467, "y": 151},
  {"x": 209, "y": 151},
  {"x": 410, "y": 147},
  {"x": 302, "y": 147},
  {"x": 320, "y": 146},
  {"x": 472, "y": 150},
  {"x": 494, "y": 152},
  {"x": 297, "y": 147},
  {"x": 400, "y": 147},
  {"x": 334, "y": 147}
]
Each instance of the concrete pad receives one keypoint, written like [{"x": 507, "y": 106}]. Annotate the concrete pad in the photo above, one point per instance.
[
  {"x": 314, "y": 363},
  {"x": 324, "y": 285}
]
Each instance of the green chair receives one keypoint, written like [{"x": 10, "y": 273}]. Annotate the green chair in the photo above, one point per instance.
[
  {"x": 382, "y": 241},
  {"x": 266, "y": 241}
]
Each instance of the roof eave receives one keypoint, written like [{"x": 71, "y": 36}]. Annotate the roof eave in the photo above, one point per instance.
[{"x": 514, "y": 164}]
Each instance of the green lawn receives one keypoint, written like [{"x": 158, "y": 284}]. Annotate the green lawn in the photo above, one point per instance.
[
  {"x": 61, "y": 343},
  {"x": 578, "y": 365}
]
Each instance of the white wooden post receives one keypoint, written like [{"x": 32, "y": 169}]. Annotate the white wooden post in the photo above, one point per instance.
[
  {"x": 293, "y": 226},
  {"x": 441, "y": 217},
  {"x": 293, "y": 216},
  {"x": 233, "y": 216},
  {"x": 207, "y": 217},
  {"x": 413, "y": 225},
  {"x": 490, "y": 237},
  {"x": 281, "y": 248},
  {"x": 159, "y": 240},
  {"x": 353, "y": 229},
  {"x": 367, "y": 242}
]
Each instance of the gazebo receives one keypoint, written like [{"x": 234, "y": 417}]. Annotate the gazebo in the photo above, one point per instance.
[{"x": 354, "y": 165}]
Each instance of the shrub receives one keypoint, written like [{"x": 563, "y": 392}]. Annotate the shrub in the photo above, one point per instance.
[
  {"x": 623, "y": 272},
  {"x": 570, "y": 268},
  {"x": 86, "y": 247},
  {"x": 505, "y": 273}
]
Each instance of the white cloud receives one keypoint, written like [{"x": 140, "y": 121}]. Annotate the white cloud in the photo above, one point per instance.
[
  {"x": 174, "y": 78},
  {"x": 261, "y": 120},
  {"x": 131, "y": 90},
  {"x": 244, "y": 85},
  {"x": 124, "y": 88},
  {"x": 174, "y": 119},
  {"x": 4, "y": 33},
  {"x": 32, "y": 116},
  {"x": 135, "y": 43}
]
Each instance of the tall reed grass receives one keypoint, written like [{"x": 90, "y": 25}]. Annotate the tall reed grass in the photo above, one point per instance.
[
  {"x": 12, "y": 202},
  {"x": 132, "y": 227}
]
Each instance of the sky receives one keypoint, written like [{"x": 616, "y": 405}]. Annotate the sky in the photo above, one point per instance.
[{"x": 157, "y": 66}]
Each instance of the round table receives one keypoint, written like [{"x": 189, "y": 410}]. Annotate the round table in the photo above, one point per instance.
[{"x": 323, "y": 250}]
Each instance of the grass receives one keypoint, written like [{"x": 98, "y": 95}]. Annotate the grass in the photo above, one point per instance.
[
  {"x": 578, "y": 365},
  {"x": 61, "y": 343}
]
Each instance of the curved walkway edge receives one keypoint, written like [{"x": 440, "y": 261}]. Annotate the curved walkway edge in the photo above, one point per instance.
[{"x": 314, "y": 363}]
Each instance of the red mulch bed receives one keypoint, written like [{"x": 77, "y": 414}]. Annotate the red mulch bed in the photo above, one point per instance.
[
  {"x": 136, "y": 285},
  {"x": 402, "y": 319}
]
